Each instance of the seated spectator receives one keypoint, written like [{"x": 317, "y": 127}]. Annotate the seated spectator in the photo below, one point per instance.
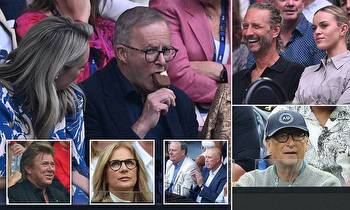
[
  {"x": 261, "y": 32},
  {"x": 297, "y": 43},
  {"x": 129, "y": 86},
  {"x": 287, "y": 140},
  {"x": 120, "y": 176},
  {"x": 39, "y": 101},
  {"x": 38, "y": 170},
  {"x": 329, "y": 146},
  {"x": 100, "y": 43},
  {"x": 178, "y": 179},
  {"x": 211, "y": 181},
  {"x": 203, "y": 61},
  {"x": 328, "y": 82}
]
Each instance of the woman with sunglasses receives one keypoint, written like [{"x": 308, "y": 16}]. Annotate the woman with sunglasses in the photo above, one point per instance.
[{"x": 120, "y": 176}]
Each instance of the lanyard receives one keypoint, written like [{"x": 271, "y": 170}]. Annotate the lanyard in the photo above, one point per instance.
[{"x": 222, "y": 32}]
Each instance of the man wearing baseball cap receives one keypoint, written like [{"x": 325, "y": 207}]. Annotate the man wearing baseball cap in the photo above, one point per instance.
[{"x": 287, "y": 138}]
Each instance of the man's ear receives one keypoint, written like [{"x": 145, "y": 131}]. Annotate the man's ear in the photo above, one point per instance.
[
  {"x": 268, "y": 145},
  {"x": 120, "y": 53},
  {"x": 276, "y": 30},
  {"x": 28, "y": 170}
]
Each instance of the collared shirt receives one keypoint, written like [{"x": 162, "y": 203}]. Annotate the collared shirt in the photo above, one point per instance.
[
  {"x": 116, "y": 199},
  {"x": 283, "y": 72},
  {"x": 147, "y": 161},
  {"x": 326, "y": 83},
  {"x": 176, "y": 171},
  {"x": 209, "y": 180},
  {"x": 301, "y": 47}
]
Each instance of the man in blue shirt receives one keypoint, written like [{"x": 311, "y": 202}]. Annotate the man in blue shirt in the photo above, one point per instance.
[
  {"x": 296, "y": 35},
  {"x": 178, "y": 179}
]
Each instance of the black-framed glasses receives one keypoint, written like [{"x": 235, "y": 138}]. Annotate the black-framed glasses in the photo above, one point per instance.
[
  {"x": 283, "y": 137},
  {"x": 115, "y": 165},
  {"x": 152, "y": 54}
]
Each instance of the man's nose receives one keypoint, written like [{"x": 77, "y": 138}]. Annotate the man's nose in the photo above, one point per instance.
[
  {"x": 248, "y": 31},
  {"x": 160, "y": 59},
  {"x": 290, "y": 141}
]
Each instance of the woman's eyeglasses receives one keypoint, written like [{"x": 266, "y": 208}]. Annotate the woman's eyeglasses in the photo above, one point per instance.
[{"x": 115, "y": 165}]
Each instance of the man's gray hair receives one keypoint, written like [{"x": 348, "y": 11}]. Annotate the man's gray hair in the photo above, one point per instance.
[{"x": 135, "y": 17}]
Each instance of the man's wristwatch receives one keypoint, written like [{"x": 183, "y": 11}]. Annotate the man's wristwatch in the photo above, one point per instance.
[{"x": 223, "y": 75}]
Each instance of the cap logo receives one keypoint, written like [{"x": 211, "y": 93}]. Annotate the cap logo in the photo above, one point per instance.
[{"x": 285, "y": 118}]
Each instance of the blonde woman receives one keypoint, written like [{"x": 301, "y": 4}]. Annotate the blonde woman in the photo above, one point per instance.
[
  {"x": 329, "y": 81},
  {"x": 38, "y": 97},
  {"x": 120, "y": 176}
]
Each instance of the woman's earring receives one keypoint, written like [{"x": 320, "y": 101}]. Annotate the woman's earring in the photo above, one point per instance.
[{"x": 57, "y": 75}]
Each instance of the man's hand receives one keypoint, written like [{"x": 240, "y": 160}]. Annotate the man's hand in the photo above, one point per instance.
[
  {"x": 197, "y": 177},
  {"x": 156, "y": 103},
  {"x": 17, "y": 149},
  {"x": 77, "y": 9},
  {"x": 208, "y": 68}
]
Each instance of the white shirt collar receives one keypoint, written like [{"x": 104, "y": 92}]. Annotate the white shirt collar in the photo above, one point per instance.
[
  {"x": 213, "y": 173},
  {"x": 117, "y": 200}
]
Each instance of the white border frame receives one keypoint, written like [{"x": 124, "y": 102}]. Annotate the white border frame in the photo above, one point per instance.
[
  {"x": 195, "y": 203},
  {"x": 70, "y": 175},
  {"x": 91, "y": 174}
]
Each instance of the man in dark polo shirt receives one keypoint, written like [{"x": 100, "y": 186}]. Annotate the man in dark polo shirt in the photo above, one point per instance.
[
  {"x": 261, "y": 32},
  {"x": 38, "y": 172}
]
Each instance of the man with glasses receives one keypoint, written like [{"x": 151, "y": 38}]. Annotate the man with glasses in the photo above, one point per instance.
[
  {"x": 287, "y": 139},
  {"x": 124, "y": 100}
]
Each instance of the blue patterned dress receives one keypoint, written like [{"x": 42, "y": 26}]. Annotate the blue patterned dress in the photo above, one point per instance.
[{"x": 15, "y": 123}]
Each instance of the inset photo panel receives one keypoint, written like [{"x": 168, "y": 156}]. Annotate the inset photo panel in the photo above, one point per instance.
[
  {"x": 291, "y": 146},
  {"x": 38, "y": 172},
  {"x": 195, "y": 172},
  {"x": 122, "y": 172}
]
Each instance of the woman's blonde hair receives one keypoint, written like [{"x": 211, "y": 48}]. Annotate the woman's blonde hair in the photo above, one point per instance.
[
  {"x": 100, "y": 185},
  {"x": 51, "y": 46},
  {"x": 339, "y": 14}
]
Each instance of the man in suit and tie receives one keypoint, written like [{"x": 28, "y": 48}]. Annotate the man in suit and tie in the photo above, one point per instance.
[
  {"x": 178, "y": 168},
  {"x": 213, "y": 178}
]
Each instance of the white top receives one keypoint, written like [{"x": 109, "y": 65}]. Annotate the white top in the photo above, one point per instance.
[
  {"x": 147, "y": 161},
  {"x": 209, "y": 180},
  {"x": 309, "y": 10},
  {"x": 116, "y": 199}
]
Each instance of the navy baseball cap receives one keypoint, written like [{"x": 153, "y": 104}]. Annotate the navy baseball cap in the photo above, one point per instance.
[{"x": 285, "y": 119}]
